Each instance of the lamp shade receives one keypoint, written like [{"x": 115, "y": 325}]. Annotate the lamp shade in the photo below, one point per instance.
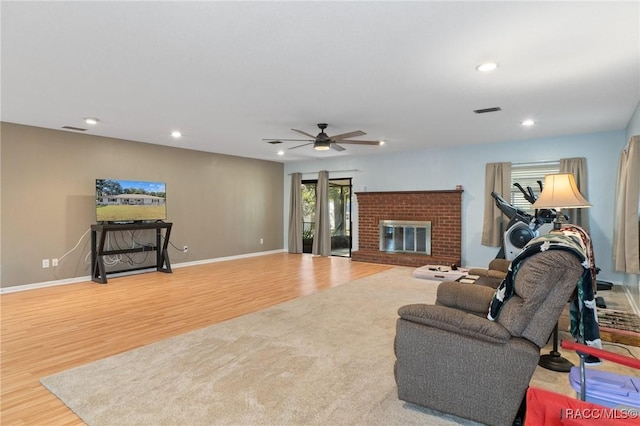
[{"x": 560, "y": 192}]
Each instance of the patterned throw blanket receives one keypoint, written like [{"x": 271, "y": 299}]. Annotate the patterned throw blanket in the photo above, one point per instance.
[{"x": 584, "y": 318}]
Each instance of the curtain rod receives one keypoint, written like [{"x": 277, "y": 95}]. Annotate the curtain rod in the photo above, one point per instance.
[
  {"x": 536, "y": 163},
  {"x": 330, "y": 171}
]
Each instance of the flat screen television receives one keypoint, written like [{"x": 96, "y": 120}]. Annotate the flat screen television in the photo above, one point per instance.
[{"x": 130, "y": 201}]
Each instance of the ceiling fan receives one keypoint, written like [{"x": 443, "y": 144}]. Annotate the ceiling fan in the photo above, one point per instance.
[{"x": 323, "y": 142}]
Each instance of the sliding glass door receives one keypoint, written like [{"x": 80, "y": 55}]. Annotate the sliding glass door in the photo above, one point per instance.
[{"x": 339, "y": 215}]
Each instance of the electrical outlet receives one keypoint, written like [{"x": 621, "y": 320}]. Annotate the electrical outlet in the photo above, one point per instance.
[
  {"x": 261, "y": 241},
  {"x": 54, "y": 262},
  {"x": 45, "y": 263},
  {"x": 185, "y": 249}
]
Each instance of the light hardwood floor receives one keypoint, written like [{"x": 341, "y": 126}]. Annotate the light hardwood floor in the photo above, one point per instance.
[{"x": 49, "y": 330}]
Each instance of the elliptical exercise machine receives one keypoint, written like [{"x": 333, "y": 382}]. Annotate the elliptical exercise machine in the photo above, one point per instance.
[{"x": 522, "y": 226}]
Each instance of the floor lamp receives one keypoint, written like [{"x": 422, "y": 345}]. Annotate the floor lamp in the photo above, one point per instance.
[{"x": 559, "y": 192}]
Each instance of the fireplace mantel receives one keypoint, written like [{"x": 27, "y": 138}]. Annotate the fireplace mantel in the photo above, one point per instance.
[
  {"x": 443, "y": 208},
  {"x": 436, "y": 191}
]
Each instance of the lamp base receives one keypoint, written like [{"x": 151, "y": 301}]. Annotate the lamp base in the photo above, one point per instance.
[{"x": 555, "y": 362}]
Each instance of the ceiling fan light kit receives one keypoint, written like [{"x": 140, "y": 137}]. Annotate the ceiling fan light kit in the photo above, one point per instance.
[
  {"x": 324, "y": 142},
  {"x": 322, "y": 146}
]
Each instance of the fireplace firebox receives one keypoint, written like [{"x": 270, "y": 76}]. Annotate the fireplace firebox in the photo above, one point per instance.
[{"x": 405, "y": 236}]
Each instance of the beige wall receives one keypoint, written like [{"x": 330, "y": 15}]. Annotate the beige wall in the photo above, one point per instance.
[{"x": 219, "y": 205}]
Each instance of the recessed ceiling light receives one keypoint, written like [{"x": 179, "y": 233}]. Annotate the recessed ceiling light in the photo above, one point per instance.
[
  {"x": 528, "y": 122},
  {"x": 381, "y": 143},
  {"x": 91, "y": 120},
  {"x": 281, "y": 153},
  {"x": 176, "y": 134},
  {"x": 487, "y": 66}
]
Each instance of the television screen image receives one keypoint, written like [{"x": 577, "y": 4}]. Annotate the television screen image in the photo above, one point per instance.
[{"x": 122, "y": 201}]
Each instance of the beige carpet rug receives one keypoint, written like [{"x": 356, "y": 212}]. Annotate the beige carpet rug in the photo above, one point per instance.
[{"x": 318, "y": 360}]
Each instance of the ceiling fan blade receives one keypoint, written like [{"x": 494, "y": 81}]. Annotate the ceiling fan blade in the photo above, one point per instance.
[
  {"x": 337, "y": 147},
  {"x": 348, "y": 135},
  {"x": 304, "y": 133},
  {"x": 361, "y": 142},
  {"x": 300, "y": 146},
  {"x": 290, "y": 140}
]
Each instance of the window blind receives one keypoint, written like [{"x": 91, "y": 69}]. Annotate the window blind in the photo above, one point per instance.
[{"x": 527, "y": 175}]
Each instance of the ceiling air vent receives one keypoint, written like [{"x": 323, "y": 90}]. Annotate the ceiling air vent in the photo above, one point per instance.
[
  {"x": 485, "y": 110},
  {"x": 77, "y": 129}
]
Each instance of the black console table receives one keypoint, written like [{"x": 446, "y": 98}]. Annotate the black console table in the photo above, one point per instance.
[{"x": 98, "y": 271}]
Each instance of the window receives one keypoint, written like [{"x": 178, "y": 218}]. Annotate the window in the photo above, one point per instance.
[{"x": 528, "y": 175}]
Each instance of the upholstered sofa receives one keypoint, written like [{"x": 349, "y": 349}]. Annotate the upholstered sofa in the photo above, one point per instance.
[
  {"x": 451, "y": 358},
  {"x": 493, "y": 275}
]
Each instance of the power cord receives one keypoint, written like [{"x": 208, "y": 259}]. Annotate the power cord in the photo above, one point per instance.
[
  {"x": 177, "y": 249},
  {"x": 110, "y": 244},
  {"x": 74, "y": 247},
  {"x": 631, "y": 354},
  {"x": 55, "y": 275},
  {"x": 173, "y": 245}
]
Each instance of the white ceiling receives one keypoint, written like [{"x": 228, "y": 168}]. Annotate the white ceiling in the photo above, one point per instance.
[{"x": 228, "y": 74}]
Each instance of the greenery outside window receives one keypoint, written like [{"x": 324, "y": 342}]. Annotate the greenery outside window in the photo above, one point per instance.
[{"x": 339, "y": 215}]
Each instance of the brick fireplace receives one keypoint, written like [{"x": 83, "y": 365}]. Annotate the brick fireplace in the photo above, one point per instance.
[{"x": 443, "y": 209}]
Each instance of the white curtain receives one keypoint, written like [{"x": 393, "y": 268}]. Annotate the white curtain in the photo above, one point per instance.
[
  {"x": 497, "y": 179},
  {"x": 626, "y": 244},
  {"x": 322, "y": 237},
  {"x": 295, "y": 214},
  {"x": 577, "y": 166}
]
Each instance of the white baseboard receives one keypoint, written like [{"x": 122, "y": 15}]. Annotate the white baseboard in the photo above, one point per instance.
[
  {"x": 76, "y": 280},
  {"x": 222, "y": 259},
  {"x": 34, "y": 286}
]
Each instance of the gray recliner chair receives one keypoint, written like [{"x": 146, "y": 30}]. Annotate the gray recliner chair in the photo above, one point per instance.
[{"x": 451, "y": 358}]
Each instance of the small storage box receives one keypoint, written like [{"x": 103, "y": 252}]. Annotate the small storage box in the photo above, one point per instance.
[{"x": 608, "y": 389}]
